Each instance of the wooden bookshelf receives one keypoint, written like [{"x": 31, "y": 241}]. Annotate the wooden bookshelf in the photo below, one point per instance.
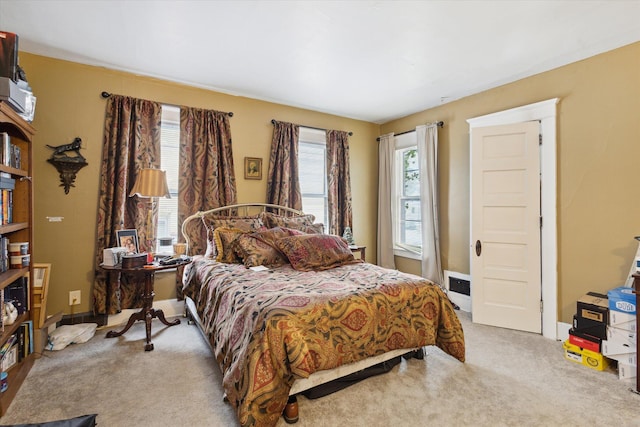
[{"x": 19, "y": 230}]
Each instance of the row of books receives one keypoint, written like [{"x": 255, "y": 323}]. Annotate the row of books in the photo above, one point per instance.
[
  {"x": 6, "y": 206},
  {"x": 18, "y": 346},
  {"x": 10, "y": 154}
]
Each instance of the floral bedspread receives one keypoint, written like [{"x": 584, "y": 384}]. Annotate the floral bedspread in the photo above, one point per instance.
[{"x": 268, "y": 328}]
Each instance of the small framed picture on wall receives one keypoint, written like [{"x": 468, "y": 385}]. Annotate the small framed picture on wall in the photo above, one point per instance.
[{"x": 252, "y": 168}]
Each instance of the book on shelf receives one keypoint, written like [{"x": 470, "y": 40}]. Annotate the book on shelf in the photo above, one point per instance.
[
  {"x": 10, "y": 154},
  {"x": 7, "y": 344},
  {"x": 7, "y": 183},
  {"x": 10, "y": 358},
  {"x": 6, "y": 204},
  {"x": 4, "y": 254}
]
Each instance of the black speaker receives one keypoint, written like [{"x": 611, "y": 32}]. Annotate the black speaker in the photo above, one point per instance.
[{"x": 9, "y": 55}]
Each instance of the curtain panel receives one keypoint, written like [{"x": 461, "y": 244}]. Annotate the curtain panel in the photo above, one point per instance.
[
  {"x": 386, "y": 199},
  {"x": 338, "y": 182},
  {"x": 427, "y": 137},
  {"x": 283, "y": 184},
  {"x": 131, "y": 142},
  {"x": 207, "y": 177}
]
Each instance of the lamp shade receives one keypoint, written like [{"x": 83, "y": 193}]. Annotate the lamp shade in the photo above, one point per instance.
[{"x": 151, "y": 183}]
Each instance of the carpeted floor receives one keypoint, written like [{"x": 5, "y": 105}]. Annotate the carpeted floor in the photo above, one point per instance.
[{"x": 510, "y": 379}]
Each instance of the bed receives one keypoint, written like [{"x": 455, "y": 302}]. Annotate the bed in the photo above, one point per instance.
[{"x": 314, "y": 314}]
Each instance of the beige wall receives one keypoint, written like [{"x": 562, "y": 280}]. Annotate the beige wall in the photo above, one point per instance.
[
  {"x": 598, "y": 155},
  {"x": 69, "y": 105},
  {"x": 598, "y": 147}
]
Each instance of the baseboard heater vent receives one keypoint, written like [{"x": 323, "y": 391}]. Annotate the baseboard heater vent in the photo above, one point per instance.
[
  {"x": 460, "y": 286},
  {"x": 459, "y": 289}
]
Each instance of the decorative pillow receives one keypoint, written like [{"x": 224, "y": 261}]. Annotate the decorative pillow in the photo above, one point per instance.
[
  {"x": 317, "y": 228},
  {"x": 316, "y": 251},
  {"x": 255, "y": 252},
  {"x": 212, "y": 222},
  {"x": 272, "y": 235},
  {"x": 272, "y": 220},
  {"x": 225, "y": 238}
]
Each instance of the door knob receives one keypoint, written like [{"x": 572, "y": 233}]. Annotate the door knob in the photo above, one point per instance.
[{"x": 478, "y": 247}]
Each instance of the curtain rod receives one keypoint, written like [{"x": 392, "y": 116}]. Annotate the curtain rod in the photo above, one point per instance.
[
  {"x": 106, "y": 95},
  {"x": 274, "y": 121},
  {"x": 439, "y": 124}
]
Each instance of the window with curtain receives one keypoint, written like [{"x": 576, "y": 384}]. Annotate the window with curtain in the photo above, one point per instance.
[
  {"x": 170, "y": 140},
  {"x": 407, "y": 215},
  {"x": 312, "y": 157}
]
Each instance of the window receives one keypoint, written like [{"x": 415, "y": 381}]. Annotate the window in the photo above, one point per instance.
[
  {"x": 312, "y": 158},
  {"x": 407, "y": 215},
  {"x": 169, "y": 162}
]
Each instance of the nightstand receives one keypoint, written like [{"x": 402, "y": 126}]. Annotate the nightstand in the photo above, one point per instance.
[
  {"x": 148, "y": 313},
  {"x": 359, "y": 249}
]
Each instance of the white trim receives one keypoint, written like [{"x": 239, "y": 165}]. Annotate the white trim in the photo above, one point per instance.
[
  {"x": 407, "y": 254},
  {"x": 545, "y": 112},
  {"x": 170, "y": 307},
  {"x": 563, "y": 331}
]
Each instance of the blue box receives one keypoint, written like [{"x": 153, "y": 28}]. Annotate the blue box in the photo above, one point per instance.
[{"x": 622, "y": 299}]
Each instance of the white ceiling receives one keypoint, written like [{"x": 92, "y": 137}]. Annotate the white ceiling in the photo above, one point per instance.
[{"x": 369, "y": 60}]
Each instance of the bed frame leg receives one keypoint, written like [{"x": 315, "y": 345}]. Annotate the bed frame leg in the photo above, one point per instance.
[{"x": 290, "y": 413}]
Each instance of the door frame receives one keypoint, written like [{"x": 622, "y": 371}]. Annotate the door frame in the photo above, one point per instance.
[{"x": 545, "y": 112}]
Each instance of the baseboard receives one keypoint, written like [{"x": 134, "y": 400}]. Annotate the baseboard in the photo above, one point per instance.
[
  {"x": 88, "y": 317},
  {"x": 563, "y": 331},
  {"x": 170, "y": 307}
]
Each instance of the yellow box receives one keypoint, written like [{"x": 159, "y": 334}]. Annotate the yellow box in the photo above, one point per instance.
[{"x": 588, "y": 358}]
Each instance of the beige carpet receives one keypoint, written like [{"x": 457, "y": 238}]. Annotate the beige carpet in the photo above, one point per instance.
[{"x": 510, "y": 379}]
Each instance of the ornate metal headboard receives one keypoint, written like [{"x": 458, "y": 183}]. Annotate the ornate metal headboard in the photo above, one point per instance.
[{"x": 194, "y": 232}]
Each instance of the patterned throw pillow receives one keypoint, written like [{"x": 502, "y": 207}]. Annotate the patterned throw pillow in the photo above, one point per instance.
[
  {"x": 225, "y": 238},
  {"x": 211, "y": 222},
  {"x": 272, "y": 220},
  {"x": 316, "y": 251},
  {"x": 260, "y": 248}
]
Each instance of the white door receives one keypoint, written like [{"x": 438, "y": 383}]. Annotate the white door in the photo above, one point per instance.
[{"x": 505, "y": 226}]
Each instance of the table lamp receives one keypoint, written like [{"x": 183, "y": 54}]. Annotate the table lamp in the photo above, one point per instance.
[{"x": 151, "y": 184}]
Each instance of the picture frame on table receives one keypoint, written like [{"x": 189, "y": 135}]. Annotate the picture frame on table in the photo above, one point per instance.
[
  {"x": 252, "y": 168},
  {"x": 128, "y": 239}
]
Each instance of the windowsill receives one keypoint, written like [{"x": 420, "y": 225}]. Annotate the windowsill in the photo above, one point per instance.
[{"x": 407, "y": 254}]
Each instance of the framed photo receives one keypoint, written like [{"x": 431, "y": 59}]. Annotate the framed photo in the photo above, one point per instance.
[
  {"x": 128, "y": 239},
  {"x": 41, "y": 273},
  {"x": 252, "y": 168}
]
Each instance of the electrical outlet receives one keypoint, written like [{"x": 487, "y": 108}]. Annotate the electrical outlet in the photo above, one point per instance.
[{"x": 74, "y": 297}]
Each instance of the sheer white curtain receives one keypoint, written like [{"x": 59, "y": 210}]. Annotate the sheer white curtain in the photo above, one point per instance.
[
  {"x": 427, "y": 138},
  {"x": 386, "y": 161}
]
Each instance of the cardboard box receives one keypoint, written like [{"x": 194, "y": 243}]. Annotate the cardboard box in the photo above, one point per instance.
[
  {"x": 622, "y": 299},
  {"x": 583, "y": 340},
  {"x": 626, "y": 371},
  {"x": 627, "y": 358},
  {"x": 621, "y": 320},
  {"x": 619, "y": 341},
  {"x": 594, "y": 306},
  {"x": 588, "y": 358},
  {"x": 590, "y": 327},
  {"x": 41, "y": 336}
]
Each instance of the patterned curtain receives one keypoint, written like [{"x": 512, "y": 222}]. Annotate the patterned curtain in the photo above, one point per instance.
[
  {"x": 339, "y": 181},
  {"x": 207, "y": 178},
  {"x": 131, "y": 142},
  {"x": 283, "y": 185}
]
